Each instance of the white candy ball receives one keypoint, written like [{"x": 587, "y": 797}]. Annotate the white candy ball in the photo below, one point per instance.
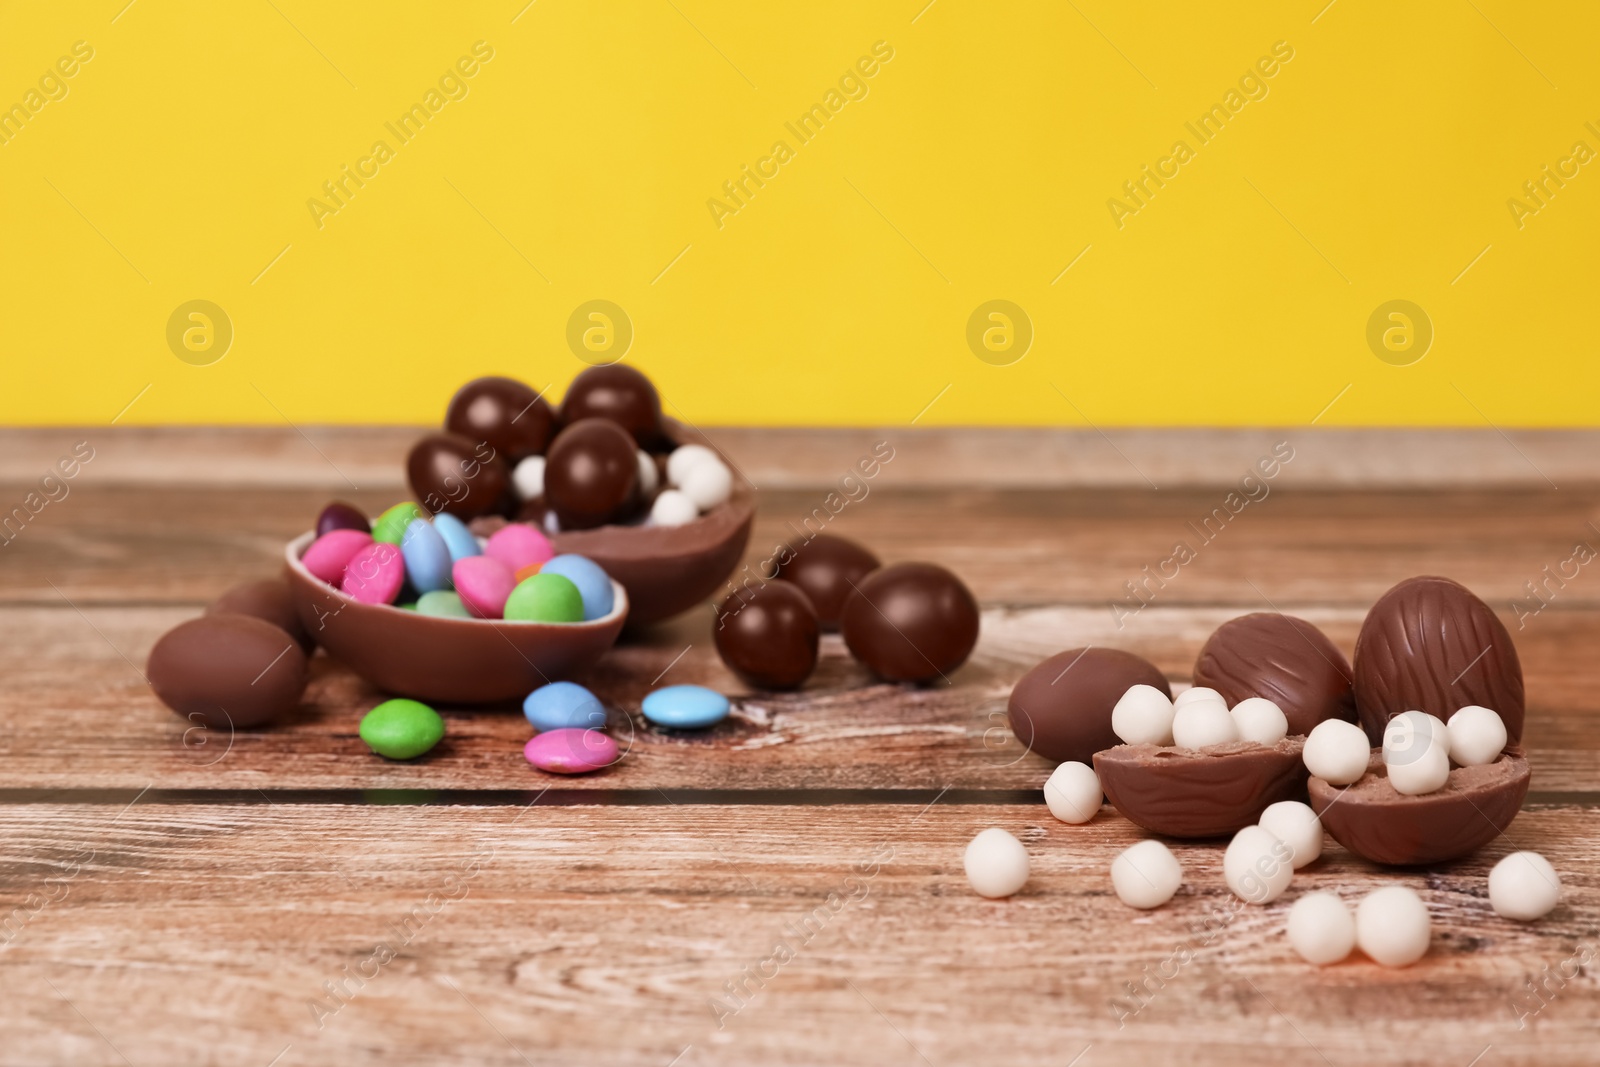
[
  {"x": 1297, "y": 826},
  {"x": 673, "y": 508},
  {"x": 1073, "y": 792},
  {"x": 1524, "y": 886},
  {"x": 1416, "y": 753},
  {"x": 1197, "y": 693},
  {"x": 1203, "y": 722},
  {"x": 528, "y": 477},
  {"x": 1392, "y": 926},
  {"x": 1321, "y": 928},
  {"x": 649, "y": 476},
  {"x": 1146, "y": 875},
  {"x": 1260, "y": 720},
  {"x": 1336, "y": 751},
  {"x": 996, "y": 863},
  {"x": 708, "y": 484},
  {"x": 682, "y": 458},
  {"x": 1477, "y": 736},
  {"x": 1143, "y": 717},
  {"x": 1257, "y": 866}
]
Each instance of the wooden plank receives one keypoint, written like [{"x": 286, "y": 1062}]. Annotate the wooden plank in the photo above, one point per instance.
[
  {"x": 206, "y": 934},
  {"x": 77, "y": 710}
]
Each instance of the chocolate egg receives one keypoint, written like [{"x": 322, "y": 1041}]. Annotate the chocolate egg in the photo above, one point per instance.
[
  {"x": 1207, "y": 792},
  {"x": 223, "y": 670},
  {"x": 911, "y": 622},
  {"x": 1284, "y": 659},
  {"x": 452, "y": 473},
  {"x": 341, "y": 516},
  {"x": 504, "y": 412},
  {"x": 768, "y": 636},
  {"x": 618, "y": 393},
  {"x": 1061, "y": 709},
  {"x": 591, "y": 474},
  {"x": 827, "y": 569},
  {"x": 1430, "y": 645},
  {"x": 266, "y": 599}
]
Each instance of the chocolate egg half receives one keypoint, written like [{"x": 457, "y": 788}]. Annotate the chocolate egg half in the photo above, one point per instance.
[
  {"x": 223, "y": 670},
  {"x": 912, "y": 622},
  {"x": 1284, "y": 659},
  {"x": 827, "y": 569},
  {"x": 1208, "y": 792},
  {"x": 1061, "y": 709}
]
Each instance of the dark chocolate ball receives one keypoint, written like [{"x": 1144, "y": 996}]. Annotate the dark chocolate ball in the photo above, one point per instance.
[
  {"x": 451, "y": 473},
  {"x": 911, "y": 622},
  {"x": 1062, "y": 708},
  {"x": 1284, "y": 659},
  {"x": 618, "y": 393},
  {"x": 341, "y": 516},
  {"x": 768, "y": 636},
  {"x": 591, "y": 474},
  {"x": 504, "y": 412},
  {"x": 827, "y": 569},
  {"x": 222, "y": 670},
  {"x": 266, "y": 599}
]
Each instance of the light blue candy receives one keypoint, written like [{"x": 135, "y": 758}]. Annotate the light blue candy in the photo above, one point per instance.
[
  {"x": 562, "y": 706},
  {"x": 593, "y": 583},
  {"x": 685, "y": 707},
  {"x": 445, "y": 603},
  {"x": 457, "y": 538},
  {"x": 427, "y": 558}
]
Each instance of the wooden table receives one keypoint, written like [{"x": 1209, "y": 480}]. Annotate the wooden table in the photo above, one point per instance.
[{"x": 786, "y": 887}]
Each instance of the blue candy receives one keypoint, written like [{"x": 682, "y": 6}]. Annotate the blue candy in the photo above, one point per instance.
[
  {"x": 594, "y": 584},
  {"x": 427, "y": 558},
  {"x": 457, "y": 538},
  {"x": 562, "y": 706},
  {"x": 687, "y": 707}
]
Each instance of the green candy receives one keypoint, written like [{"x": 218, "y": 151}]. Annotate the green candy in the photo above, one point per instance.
[
  {"x": 443, "y": 602},
  {"x": 401, "y": 729},
  {"x": 545, "y": 598},
  {"x": 391, "y": 525},
  {"x": 407, "y": 607}
]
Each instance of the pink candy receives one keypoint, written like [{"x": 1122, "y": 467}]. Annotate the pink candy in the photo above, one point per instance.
[
  {"x": 331, "y": 553},
  {"x": 375, "y": 573},
  {"x": 483, "y": 583},
  {"x": 519, "y": 545},
  {"x": 571, "y": 751}
]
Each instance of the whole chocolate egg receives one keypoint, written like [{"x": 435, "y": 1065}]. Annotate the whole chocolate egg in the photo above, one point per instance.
[
  {"x": 768, "y": 636},
  {"x": 618, "y": 393},
  {"x": 504, "y": 412},
  {"x": 591, "y": 474},
  {"x": 266, "y": 599},
  {"x": 827, "y": 569},
  {"x": 911, "y": 622},
  {"x": 341, "y": 516},
  {"x": 227, "y": 670},
  {"x": 1430, "y": 645},
  {"x": 1284, "y": 659},
  {"x": 451, "y": 473},
  {"x": 1061, "y": 709}
]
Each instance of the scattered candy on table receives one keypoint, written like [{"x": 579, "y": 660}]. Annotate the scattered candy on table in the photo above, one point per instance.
[
  {"x": 1073, "y": 792},
  {"x": 571, "y": 751},
  {"x": 1392, "y": 926},
  {"x": 401, "y": 729},
  {"x": 1257, "y": 866},
  {"x": 1146, "y": 875},
  {"x": 1321, "y": 928},
  {"x": 1523, "y": 886},
  {"x": 996, "y": 863},
  {"x": 563, "y": 705},
  {"x": 685, "y": 707}
]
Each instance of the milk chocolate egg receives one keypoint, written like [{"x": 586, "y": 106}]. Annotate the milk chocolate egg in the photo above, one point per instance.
[
  {"x": 912, "y": 622},
  {"x": 1283, "y": 659},
  {"x": 222, "y": 670},
  {"x": 267, "y": 599},
  {"x": 619, "y": 393},
  {"x": 827, "y": 569},
  {"x": 504, "y": 412},
  {"x": 768, "y": 636},
  {"x": 451, "y": 473},
  {"x": 591, "y": 474},
  {"x": 1062, "y": 708}
]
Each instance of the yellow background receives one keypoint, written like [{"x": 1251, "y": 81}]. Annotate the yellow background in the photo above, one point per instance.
[{"x": 978, "y": 167}]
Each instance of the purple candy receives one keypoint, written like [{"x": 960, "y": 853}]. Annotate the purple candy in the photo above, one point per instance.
[
  {"x": 571, "y": 751},
  {"x": 329, "y": 554},
  {"x": 341, "y": 516}
]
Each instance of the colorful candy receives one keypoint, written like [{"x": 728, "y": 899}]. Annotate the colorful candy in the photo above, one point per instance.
[
  {"x": 483, "y": 584},
  {"x": 330, "y": 554},
  {"x": 401, "y": 729},
  {"x": 571, "y": 751},
  {"x": 518, "y": 545},
  {"x": 685, "y": 707},
  {"x": 593, "y": 583},
  {"x": 544, "y": 598},
  {"x": 341, "y": 516},
  {"x": 427, "y": 557},
  {"x": 444, "y": 603},
  {"x": 457, "y": 538},
  {"x": 563, "y": 705},
  {"x": 375, "y": 574},
  {"x": 391, "y": 525}
]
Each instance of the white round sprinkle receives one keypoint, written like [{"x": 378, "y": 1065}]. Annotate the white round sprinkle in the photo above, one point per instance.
[
  {"x": 1197, "y": 693},
  {"x": 1260, "y": 720},
  {"x": 649, "y": 476},
  {"x": 1321, "y": 928},
  {"x": 996, "y": 863},
  {"x": 1524, "y": 886},
  {"x": 1392, "y": 926},
  {"x": 684, "y": 457},
  {"x": 708, "y": 484},
  {"x": 1416, "y": 753},
  {"x": 1146, "y": 875},
  {"x": 528, "y": 477},
  {"x": 1336, "y": 751},
  {"x": 1073, "y": 792},
  {"x": 1143, "y": 717},
  {"x": 1477, "y": 736},
  {"x": 1297, "y": 826},
  {"x": 673, "y": 508},
  {"x": 1257, "y": 866},
  {"x": 1203, "y": 722}
]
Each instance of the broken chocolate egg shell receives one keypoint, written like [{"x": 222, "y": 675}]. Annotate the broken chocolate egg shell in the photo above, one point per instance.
[
  {"x": 441, "y": 658},
  {"x": 1208, "y": 792},
  {"x": 1375, "y": 821}
]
